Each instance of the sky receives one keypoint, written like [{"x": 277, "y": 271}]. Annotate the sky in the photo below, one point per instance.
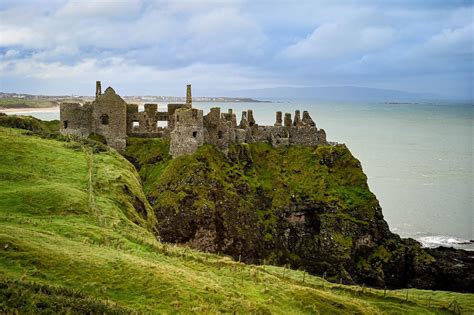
[{"x": 143, "y": 47}]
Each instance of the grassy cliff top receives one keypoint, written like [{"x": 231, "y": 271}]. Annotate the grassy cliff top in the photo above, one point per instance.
[{"x": 75, "y": 237}]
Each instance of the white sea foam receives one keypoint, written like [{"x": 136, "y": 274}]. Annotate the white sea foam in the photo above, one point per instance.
[{"x": 447, "y": 241}]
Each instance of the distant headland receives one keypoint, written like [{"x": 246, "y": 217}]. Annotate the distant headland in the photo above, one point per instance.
[{"x": 28, "y": 101}]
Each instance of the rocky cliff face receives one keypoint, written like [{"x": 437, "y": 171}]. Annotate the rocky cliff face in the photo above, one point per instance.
[{"x": 306, "y": 207}]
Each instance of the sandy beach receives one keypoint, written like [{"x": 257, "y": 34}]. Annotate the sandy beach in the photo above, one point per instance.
[{"x": 29, "y": 110}]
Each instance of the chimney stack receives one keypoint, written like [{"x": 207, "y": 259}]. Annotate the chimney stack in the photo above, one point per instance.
[
  {"x": 189, "y": 98},
  {"x": 98, "y": 88}
]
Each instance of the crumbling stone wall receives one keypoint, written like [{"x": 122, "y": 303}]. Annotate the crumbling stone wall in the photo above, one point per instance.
[
  {"x": 108, "y": 115},
  {"x": 75, "y": 119},
  {"x": 188, "y": 133},
  {"x": 172, "y": 108},
  {"x": 219, "y": 128},
  {"x": 109, "y": 118},
  {"x": 145, "y": 124}
]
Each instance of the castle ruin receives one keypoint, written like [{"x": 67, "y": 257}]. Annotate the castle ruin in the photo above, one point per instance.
[{"x": 187, "y": 128}]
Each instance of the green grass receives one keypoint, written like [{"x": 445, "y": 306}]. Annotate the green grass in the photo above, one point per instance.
[
  {"x": 30, "y": 123},
  {"x": 75, "y": 237}
]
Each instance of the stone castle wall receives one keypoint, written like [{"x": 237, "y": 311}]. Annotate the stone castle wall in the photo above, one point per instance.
[
  {"x": 188, "y": 133},
  {"x": 109, "y": 118},
  {"x": 75, "y": 119},
  {"x": 145, "y": 124},
  {"x": 187, "y": 128}
]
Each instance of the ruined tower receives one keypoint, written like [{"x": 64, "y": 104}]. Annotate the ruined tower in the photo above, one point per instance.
[
  {"x": 109, "y": 118},
  {"x": 188, "y": 133}
]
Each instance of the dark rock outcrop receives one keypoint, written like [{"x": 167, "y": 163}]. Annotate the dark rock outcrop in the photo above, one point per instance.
[{"x": 306, "y": 207}]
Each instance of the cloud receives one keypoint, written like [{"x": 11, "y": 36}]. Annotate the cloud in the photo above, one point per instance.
[
  {"x": 334, "y": 40},
  {"x": 222, "y": 33},
  {"x": 443, "y": 52},
  {"x": 11, "y": 53},
  {"x": 156, "y": 33},
  {"x": 450, "y": 41},
  {"x": 58, "y": 44},
  {"x": 10, "y": 36},
  {"x": 99, "y": 9},
  {"x": 206, "y": 78}
]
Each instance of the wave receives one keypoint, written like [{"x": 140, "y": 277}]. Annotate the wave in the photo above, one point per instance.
[{"x": 446, "y": 241}]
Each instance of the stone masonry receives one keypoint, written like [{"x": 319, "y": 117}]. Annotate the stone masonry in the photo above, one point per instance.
[{"x": 187, "y": 128}]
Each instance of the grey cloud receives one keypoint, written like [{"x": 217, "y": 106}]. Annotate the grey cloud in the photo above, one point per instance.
[{"x": 245, "y": 42}]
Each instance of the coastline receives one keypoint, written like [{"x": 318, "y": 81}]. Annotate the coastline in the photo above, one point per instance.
[{"x": 29, "y": 110}]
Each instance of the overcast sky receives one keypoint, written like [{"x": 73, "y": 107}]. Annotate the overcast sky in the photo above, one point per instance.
[{"x": 156, "y": 47}]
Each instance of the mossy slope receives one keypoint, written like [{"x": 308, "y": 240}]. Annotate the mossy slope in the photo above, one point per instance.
[
  {"x": 307, "y": 207},
  {"x": 73, "y": 240}
]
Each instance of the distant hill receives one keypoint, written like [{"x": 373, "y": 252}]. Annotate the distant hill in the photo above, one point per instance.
[{"x": 342, "y": 93}]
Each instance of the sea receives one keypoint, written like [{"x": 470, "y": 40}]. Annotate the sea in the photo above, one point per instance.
[{"x": 418, "y": 158}]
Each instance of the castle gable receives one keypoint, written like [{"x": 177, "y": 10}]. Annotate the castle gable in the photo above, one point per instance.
[{"x": 109, "y": 118}]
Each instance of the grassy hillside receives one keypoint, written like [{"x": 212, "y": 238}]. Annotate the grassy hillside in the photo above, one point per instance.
[{"x": 75, "y": 237}]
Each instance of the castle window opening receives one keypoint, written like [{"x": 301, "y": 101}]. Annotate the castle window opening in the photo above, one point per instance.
[
  {"x": 104, "y": 119},
  {"x": 161, "y": 124},
  {"x": 219, "y": 134},
  {"x": 135, "y": 124},
  {"x": 177, "y": 117},
  {"x": 195, "y": 134},
  {"x": 195, "y": 114},
  {"x": 65, "y": 123}
]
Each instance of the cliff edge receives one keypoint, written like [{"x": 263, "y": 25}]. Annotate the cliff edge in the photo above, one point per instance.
[{"x": 306, "y": 207}]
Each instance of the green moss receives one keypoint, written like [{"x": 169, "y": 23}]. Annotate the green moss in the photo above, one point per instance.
[
  {"x": 97, "y": 254},
  {"x": 343, "y": 241},
  {"x": 98, "y": 138},
  {"x": 381, "y": 254}
]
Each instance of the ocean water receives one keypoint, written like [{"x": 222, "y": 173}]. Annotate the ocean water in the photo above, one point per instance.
[{"x": 418, "y": 159}]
